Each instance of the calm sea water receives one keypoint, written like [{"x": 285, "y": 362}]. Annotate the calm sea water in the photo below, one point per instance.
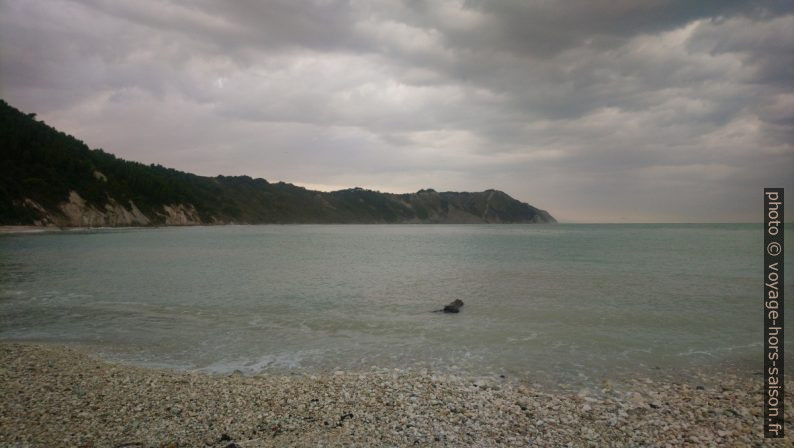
[{"x": 545, "y": 301}]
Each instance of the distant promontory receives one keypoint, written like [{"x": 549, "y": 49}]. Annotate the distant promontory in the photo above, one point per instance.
[{"x": 49, "y": 178}]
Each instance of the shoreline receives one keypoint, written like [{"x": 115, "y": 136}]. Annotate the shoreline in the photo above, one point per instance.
[
  {"x": 63, "y": 396},
  {"x": 22, "y": 229},
  {"x": 28, "y": 229}
]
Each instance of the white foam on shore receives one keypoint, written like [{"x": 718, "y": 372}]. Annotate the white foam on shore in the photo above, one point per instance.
[
  {"x": 718, "y": 350},
  {"x": 27, "y": 229},
  {"x": 277, "y": 361}
]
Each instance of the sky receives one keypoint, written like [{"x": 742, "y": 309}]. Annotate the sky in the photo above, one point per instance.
[{"x": 595, "y": 110}]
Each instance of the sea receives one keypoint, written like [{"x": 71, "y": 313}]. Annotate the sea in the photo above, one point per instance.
[{"x": 562, "y": 303}]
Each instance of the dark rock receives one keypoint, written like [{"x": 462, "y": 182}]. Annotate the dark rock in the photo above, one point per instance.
[
  {"x": 453, "y": 307},
  {"x": 225, "y": 437}
]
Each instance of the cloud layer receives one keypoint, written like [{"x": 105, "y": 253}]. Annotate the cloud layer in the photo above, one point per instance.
[{"x": 594, "y": 110}]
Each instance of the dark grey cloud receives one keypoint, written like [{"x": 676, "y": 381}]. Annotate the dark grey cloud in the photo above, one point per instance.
[{"x": 595, "y": 110}]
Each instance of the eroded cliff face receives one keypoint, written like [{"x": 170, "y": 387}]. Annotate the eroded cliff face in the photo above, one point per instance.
[
  {"x": 425, "y": 206},
  {"x": 76, "y": 212},
  {"x": 181, "y": 215}
]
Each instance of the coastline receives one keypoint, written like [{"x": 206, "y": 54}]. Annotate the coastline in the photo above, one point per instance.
[
  {"x": 29, "y": 229},
  {"x": 63, "y": 396},
  {"x": 23, "y": 229}
]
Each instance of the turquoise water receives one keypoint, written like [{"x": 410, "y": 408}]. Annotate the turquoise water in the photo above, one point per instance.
[{"x": 553, "y": 301}]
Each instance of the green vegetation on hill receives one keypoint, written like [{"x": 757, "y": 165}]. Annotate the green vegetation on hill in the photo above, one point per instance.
[{"x": 41, "y": 168}]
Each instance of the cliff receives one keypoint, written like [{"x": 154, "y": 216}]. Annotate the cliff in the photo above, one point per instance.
[{"x": 50, "y": 178}]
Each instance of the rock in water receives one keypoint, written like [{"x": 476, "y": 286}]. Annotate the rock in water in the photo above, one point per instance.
[{"x": 454, "y": 306}]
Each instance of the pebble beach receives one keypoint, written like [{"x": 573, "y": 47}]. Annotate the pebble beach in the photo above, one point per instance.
[{"x": 61, "y": 396}]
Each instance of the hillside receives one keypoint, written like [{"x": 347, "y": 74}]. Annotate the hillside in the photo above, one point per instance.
[{"x": 50, "y": 178}]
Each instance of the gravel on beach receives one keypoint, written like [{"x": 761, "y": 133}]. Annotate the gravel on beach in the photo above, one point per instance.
[{"x": 60, "y": 396}]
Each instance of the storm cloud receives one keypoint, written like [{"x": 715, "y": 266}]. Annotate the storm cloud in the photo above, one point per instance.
[{"x": 594, "y": 110}]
